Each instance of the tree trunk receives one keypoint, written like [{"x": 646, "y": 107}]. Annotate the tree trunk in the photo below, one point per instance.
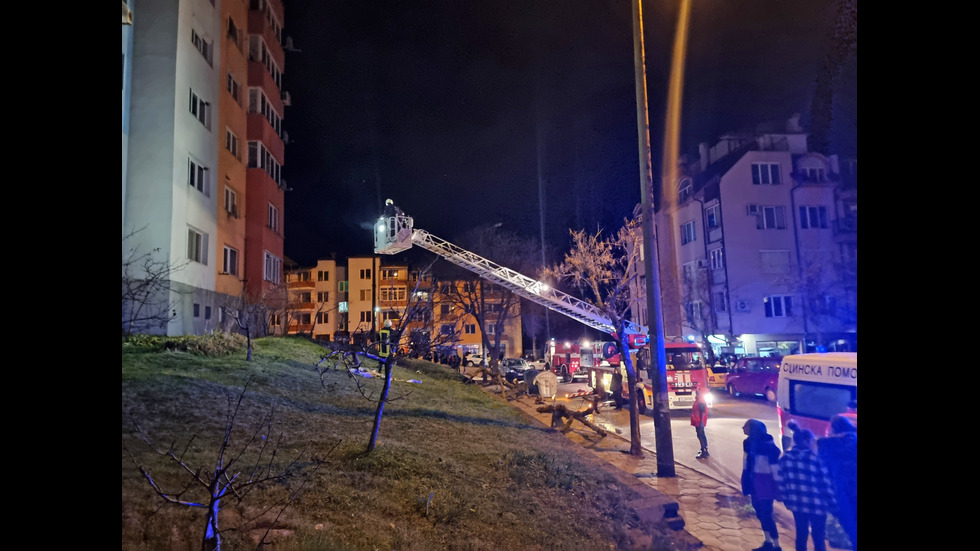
[
  {"x": 381, "y": 403},
  {"x": 212, "y": 538}
]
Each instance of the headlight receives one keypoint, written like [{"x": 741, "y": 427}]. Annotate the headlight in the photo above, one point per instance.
[{"x": 709, "y": 399}]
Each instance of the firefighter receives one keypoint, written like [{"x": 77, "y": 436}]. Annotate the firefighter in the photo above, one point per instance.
[{"x": 384, "y": 341}]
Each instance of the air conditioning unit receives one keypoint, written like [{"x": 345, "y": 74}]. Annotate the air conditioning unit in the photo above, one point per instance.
[
  {"x": 286, "y": 98},
  {"x": 752, "y": 209},
  {"x": 285, "y": 137},
  {"x": 702, "y": 263},
  {"x": 741, "y": 306}
]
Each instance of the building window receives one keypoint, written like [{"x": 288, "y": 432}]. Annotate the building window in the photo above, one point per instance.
[
  {"x": 687, "y": 233},
  {"x": 273, "y": 268},
  {"x": 197, "y": 310},
  {"x": 813, "y": 217},
  {"x": 202, "y": 46},
  {"x": 390, "y": 315},
  {"x": 717, "y": 257},
  {"x": 712, "y": 215},
  {"x": 201, "y": 110},
  {"x": 305, "y": 297},
  {"x": 323, "y": 317},
  {"x": 366, "y": 273},
  {"x": 304, "y": 319},
  {"x": 771, "y": 218},
  {"x": 814, "y": 174},
  {"x": 469, "y": 329},
  {"x": 365, "y": 316},
  {"x": 323, "y": 296},
  {"x": 273, "y": 218},
  {"x": 720, "y": 304},
  {"x": 230, "y": 265},
  {"x": 258, "y": 103},
  {"x": 444, "y": 309},
  {"x": 231, "y": 143},
  {"x": 765, "y": 173},
  {"x": 392, "y": 294},
  {"x": 274, "y": 319},
  {"x": 491, "y": 329},
  {"x": 342, "y": 287},
  {"x": 685, "y": 191},
  {"x": 778, "y": 306},
  {"x": 231, "y": 202},
  {"x": 197, "y": 177},
  {"x": 234, "y": 88},
  {"x": 260, "y": 157},
  {"x": 446, "y": 329},
  {"x": 207, "y": 312},
  {"x": 197, "y": 246},
  {"x": 365, "y": 295},
  {"x": 323, "y": 276},
  {"x": 693, "y": 310},
  {"x": 389, "y": 274}
]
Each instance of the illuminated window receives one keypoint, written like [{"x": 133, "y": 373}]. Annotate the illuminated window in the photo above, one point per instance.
[
  {"x": 717, "y": 259},
  {"x": 712, "y": 215}
]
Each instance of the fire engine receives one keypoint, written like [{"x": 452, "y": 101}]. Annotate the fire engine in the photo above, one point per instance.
[{"x": 395, "y": 232}]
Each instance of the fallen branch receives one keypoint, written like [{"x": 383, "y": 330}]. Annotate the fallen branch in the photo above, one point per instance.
[{"x": 559, "y": 412}]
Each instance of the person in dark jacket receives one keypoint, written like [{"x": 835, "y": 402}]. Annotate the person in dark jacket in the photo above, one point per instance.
[
  {"x": 699, "y": 418},
  {"x": 805, "y": 487},
  {"x": 838, "y": 451},
  {"x": 760, "y": 478}
]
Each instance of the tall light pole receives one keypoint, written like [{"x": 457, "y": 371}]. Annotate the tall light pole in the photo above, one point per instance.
[{"x": 661, "y": 407}]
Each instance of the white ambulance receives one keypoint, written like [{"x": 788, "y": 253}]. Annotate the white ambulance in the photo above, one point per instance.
[{"x": 814, "y": 387}]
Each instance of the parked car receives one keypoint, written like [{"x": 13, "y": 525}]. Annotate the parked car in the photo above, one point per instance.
[
  {"x": 756, "y": 376},
  {"x": 717, "y": 376},
  {"x": 514, "y": 368},
  {"x": 539, "y": 364},
  {"x": 473, "y": 360}
]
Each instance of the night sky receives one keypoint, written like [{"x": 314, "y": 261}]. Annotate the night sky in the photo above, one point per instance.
[{"x": 456, "y": 109}]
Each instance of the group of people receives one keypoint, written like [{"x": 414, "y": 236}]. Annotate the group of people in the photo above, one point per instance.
[{"x": 814, "y": 478}]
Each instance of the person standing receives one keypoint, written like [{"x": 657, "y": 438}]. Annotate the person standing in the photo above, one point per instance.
[
  {"x": 838, "y": 451},
  {"x": 699, "y": 418},
  {"x": 760, "y": 469},
  {"x": 805, "y": 487}
]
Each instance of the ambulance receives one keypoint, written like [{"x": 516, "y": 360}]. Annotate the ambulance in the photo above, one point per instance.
[{"x": 814, "y": 387}]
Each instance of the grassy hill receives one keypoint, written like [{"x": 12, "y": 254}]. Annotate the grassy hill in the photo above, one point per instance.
[{"x": 455, "y": 467}]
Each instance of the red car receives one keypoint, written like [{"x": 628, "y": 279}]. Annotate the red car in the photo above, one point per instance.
[{"x": 755, "y": 376}]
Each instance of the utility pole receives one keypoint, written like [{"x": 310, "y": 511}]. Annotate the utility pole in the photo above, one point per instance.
[{"x": 661, "y": 407}]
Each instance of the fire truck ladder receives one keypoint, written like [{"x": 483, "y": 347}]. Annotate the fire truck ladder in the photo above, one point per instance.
[{"x": 396, "y": 233}]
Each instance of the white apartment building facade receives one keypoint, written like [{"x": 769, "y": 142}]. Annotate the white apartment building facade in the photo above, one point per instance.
[{"x": 758, "y": 249}]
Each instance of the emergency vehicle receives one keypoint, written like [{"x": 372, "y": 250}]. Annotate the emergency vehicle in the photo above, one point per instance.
[
  {"x": 395, "y": 233},
  {"x": 686, "y": 371},
  {"x": 812, "y": 388}
]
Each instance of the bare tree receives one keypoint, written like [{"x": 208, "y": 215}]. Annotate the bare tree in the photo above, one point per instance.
[
  {"x": 822, "y": 287},
  {"x": 224, "y": 480},
  {"x": 699, "y": 308},
  {"x": 147, "y": 303},
  {"x": 601, "y": 270},
  {"x": 251, "y": 312}
]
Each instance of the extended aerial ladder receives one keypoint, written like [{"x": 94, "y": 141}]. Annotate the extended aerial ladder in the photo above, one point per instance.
[{"x": 395, "y": 232}]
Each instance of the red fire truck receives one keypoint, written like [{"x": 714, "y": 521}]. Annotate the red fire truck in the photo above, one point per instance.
[
  {"x": 686, "y": 370},
  {"x": 572, "y": 359}
]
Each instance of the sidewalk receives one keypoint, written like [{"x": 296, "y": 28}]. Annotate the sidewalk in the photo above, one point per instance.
[{"x": 714, "y": 513}]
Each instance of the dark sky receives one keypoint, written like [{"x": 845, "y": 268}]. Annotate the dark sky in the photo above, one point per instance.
[{"x": 457, "y": 109}]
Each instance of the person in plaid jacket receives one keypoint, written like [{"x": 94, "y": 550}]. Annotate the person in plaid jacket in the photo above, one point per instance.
[{"x": 806, "y": 489}]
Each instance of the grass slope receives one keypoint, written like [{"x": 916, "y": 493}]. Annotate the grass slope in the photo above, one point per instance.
[{"x": 455, "y": 467}]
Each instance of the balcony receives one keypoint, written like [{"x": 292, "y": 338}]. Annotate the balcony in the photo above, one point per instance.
[{"x": 294, "y": 284}]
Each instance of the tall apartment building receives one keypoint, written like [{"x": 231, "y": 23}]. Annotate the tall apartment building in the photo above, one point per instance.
[
  {"x": 202, "y": 193},
  {"x": 758, "y": 249}
]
